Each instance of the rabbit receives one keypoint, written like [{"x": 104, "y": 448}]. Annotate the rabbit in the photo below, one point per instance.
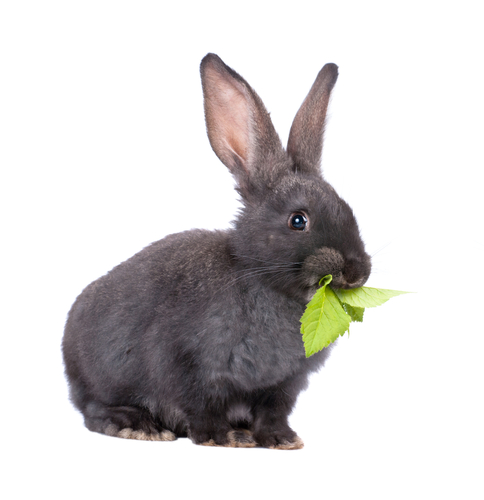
[{"x": 198, "y": 334}]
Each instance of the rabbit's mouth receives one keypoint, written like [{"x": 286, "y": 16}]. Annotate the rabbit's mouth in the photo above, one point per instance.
[
  {"x": 344, "y": 284},
  {"x": 346, "y": 273}
]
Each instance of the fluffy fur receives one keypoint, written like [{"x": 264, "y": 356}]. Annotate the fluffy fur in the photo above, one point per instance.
[{"x": 198, "y": 334}]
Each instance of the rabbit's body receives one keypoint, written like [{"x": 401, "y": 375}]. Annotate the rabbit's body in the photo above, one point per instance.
[
  {"x": 187, "y": 342},
  {"x": 199, "y": 334}
]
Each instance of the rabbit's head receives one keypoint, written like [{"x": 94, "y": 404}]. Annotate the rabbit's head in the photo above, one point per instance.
[{"x": 293, "y": 228}]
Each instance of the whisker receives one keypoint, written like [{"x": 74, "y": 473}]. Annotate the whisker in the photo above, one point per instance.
[
  {"x": 278, "y": 278},
  {"x": 257, "y": 272},
  {"x": 381, "y": 248},
  {"x": 267, "y": 261},
  {"x": 263, "y": 268}
]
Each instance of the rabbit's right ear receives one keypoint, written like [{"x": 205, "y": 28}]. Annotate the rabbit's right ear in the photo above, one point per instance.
[
  {"x": 306, "y": 136},
  {"x": 239, "y": 128}
]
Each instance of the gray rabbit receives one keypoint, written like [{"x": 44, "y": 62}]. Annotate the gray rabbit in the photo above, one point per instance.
[{"x": 198, "y": 334}]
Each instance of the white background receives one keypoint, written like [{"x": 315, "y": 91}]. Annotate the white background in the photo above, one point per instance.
[{"x": 103, "y": 150}]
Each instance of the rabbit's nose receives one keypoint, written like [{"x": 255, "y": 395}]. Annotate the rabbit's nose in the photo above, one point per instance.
[{"x": 356, "y": 272}]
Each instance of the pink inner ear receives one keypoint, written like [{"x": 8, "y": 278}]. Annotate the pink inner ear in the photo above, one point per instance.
[{"x": 228, "y": 117}]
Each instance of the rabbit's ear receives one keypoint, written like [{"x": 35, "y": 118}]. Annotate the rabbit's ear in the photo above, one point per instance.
[
  {"x": 240, "y": 129},
  {"x": 306, "y": 136}
]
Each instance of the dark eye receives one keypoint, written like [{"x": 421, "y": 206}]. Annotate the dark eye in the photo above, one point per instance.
[{"x": 298, "y": 221}]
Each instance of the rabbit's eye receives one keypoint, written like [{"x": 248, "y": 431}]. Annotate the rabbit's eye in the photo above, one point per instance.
[{"x": 298, "y": 221}]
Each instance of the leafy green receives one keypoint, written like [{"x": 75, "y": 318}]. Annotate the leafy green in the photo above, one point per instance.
[
  {"x": 355, "y": 313},
  {"x": 366, "y": 296},
  {"x": 329, "y": 313},
  {"x": 324, "y": 319}
]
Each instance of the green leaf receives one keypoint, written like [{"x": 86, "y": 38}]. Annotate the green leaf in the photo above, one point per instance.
[
  {"x": 366, "y": 296},
  {"x": 329, "y": 313},
  {"x": 317, "y": 302},
  {"x": 355, "y": 313},
  {"x": 324, "y": 319}
]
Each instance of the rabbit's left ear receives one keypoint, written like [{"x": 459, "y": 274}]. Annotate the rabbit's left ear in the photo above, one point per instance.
[
  {"x": 239, "y": 128},
  {"x": 306, "y": 136}
]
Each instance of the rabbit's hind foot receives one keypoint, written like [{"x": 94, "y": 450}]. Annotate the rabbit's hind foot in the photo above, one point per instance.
[
  {"x": 128, "y": 433},
  {"x": 126, "y": 422}
]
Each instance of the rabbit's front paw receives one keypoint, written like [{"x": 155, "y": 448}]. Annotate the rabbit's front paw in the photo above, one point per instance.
[
  {"x": 210, "y": 437},
  {"x": 280, "y": 440},
  {"x": 239, "y": 438},
  {"x": 296, "y": 443}
]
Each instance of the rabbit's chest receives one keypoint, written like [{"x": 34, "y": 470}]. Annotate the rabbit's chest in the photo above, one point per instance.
[{"x": 257, "y": 344}]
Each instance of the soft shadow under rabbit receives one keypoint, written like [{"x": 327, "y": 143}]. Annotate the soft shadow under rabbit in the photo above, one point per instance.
[{"x": 198, "y": 334}]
